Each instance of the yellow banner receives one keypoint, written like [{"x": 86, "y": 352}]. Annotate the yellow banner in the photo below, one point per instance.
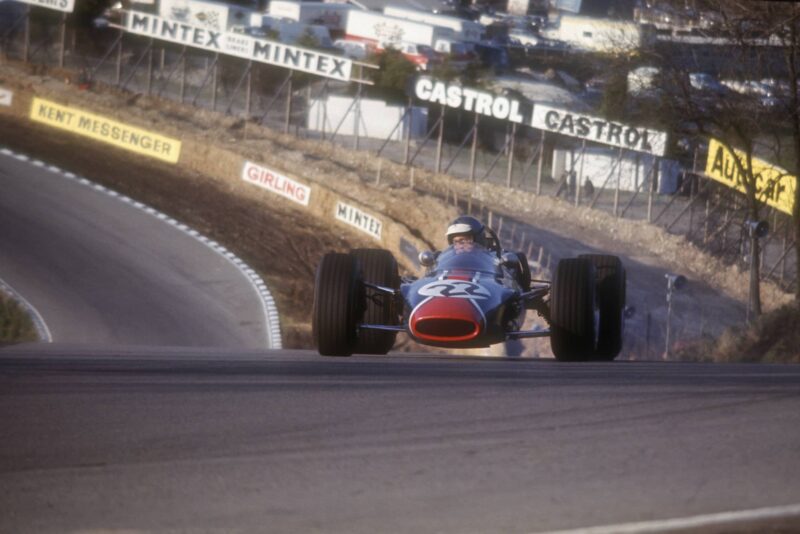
[
  {"x": 774, "y": 186},
  {"x": 106, "y": 130}
]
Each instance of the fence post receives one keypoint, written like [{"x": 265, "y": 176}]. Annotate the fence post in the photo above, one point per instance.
[
  {"x": 617, "y": 186},
  {"x": 511, "y": 154},
  {"x": 118, "y": 74},
  {"x": 183, "y": 74},
  {"x": 214, "y": 84},
  {"x": 62, "y": 38},
  {"x": 248, "y": 92},
  {"x": 653, "y": 180},
  {"x": 407, "y": 147},
  {"x": 150, "y": 68},
  {"x": 579, "y": 178},
  {"x": 26, "y": 43},
  {"x": 540, "y": 165},
  {"x": 439, "y": 142},
  {"x": 473, "y": 155},
  {"x": 357, "y": 116},
  {"x": 289, "y": 105}
]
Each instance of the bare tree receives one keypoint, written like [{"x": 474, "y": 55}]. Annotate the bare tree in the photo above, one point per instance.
[{"x": 747, "y": 118}]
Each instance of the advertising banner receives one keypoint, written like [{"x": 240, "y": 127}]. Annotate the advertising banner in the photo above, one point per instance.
[
  {"x": 455, "y": 96},
  {"x": 774, "y": 186},
  {"x": 276, "y": 183},
  {"x": 243, "y": 46},
  {"x": 355, "y": 217},
  {"x": 599, "y": 130},
  {"x": 59, "y": 5},
  {"x": 6, "y": 96},
  {"x": 106, "y": 130}
]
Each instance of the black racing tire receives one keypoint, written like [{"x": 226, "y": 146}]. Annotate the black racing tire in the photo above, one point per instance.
[
  {"x": 611, "y": 282},
  {"x": 337, "y": 304},
  {"x": 379, "y": 267},
  {"x": 525, "y": 271},
  {"x": 572, "y": 310}
]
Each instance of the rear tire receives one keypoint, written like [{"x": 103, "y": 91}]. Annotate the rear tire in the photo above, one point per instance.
[
  {"x": 525, "y": 271},
  {"x": 379, "y": 267},
  {"x": 611, "y": 281},
  {"x": 337, "y": 306},
  {"x": 572, "y": 303}
]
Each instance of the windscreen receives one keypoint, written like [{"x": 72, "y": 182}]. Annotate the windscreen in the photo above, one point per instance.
[{"x": 475, "y": 259}]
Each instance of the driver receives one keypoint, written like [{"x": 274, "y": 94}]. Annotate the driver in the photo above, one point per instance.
[{"x": 464, "y": 233}]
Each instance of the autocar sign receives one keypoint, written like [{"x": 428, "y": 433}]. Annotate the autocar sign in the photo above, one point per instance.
[{"x": 599, "y": 130}]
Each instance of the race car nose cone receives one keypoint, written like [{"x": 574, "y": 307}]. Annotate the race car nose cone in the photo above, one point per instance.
[{"x": 445, "y": 319}]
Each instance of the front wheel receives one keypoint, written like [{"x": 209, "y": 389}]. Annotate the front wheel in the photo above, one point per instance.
[
  {"x": 611, "y": 303},
  {"x": 337, "y": 305},
  {"x": 573, "y": 325},
  {"x": 379, "y": 267}
]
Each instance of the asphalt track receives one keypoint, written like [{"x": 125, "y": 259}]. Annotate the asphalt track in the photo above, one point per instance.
[
  {"x": 100, "y": 271},
  {"x": 287, "y": 441}
]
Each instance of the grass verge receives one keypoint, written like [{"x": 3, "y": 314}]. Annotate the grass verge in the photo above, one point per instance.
[
  {"x": 15, "y": 324},
  {"x": 772, "y": 338}
]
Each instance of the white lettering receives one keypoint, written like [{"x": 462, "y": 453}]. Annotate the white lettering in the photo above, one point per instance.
[{"x": 276, "y": 183}]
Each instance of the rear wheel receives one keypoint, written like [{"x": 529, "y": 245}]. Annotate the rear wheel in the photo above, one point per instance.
[
  {"x": 610, "y": 280},
  {"x": 525, "y": 271},
  {"x": 337, "y": 304},
  {"x": 572, "y": 310},
  {"x": 378, "y": 267}
]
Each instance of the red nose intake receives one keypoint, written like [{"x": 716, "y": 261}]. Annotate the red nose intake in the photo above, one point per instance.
[{"x": 446, "y": 319}]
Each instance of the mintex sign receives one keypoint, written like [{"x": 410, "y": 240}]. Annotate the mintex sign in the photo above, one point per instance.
[
  {"x": 774, "y": 186},
  {"x": 243, "y": 46},
  {"x": 276, "y": 183},
  {"x": 599, "y": 130},
  {"x": 357, "y": 218},
  {"x": 456, "y": 96},
  {"x": 106, "y": 130},
  {"x": 59, "y": 5}
]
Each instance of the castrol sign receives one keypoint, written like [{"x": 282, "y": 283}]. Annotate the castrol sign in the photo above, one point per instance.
[
  {"x": 276, "y": 183},
  {"x": 599, "y": 130}
]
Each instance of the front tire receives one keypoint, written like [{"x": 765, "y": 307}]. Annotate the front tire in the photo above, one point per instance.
[
  {"x": 379, "y": 267},
  {"x": 611, "y": 281},
  {"x": 337, "y": 305},
  {"x": 572, "y": 310}
]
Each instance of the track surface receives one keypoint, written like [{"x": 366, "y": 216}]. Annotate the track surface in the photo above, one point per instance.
[
  {"x": 292, "y": 442},
  {"x": 100, "y": 271}
]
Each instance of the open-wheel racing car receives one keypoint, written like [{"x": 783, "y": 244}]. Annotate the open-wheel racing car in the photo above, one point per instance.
[{"x": 469, "y": 297}]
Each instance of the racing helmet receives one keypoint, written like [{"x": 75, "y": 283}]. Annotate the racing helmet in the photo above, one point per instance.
[{"x": 466, "y": 224}]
